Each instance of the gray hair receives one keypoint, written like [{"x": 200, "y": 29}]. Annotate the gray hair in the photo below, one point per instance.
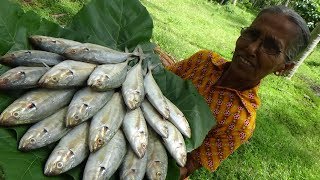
[{"x": 302, "y": 39}]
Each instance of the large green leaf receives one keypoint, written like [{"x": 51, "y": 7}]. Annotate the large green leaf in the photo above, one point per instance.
[
  {"x": 114, "y": 23},
  {"x": 185, "y": 96}
]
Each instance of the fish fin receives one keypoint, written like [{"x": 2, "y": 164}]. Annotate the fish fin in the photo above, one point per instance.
[
  {"x": 152, "y": 66},
  {"x": 126, "y": 50},
  {"x": 45, "y": 65},
  {"x": 139, "y": 53}
]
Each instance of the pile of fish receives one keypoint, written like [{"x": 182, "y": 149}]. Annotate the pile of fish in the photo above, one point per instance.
[{"x": 88, "y": 98}]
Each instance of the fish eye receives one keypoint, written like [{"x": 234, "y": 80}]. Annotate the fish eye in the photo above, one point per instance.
[
  {"x": 133, "y": 170},
  {"x": 86, "y": 49},
  {"x": 54, "y": 78},
  {"x": 59, "y": 165},
  {"x": 73, "y": 51},
  {"x": 76, "y": 117},
  {"x": 54, "y": 41},
  {"x": 15, "y": 114},
  {"x": 100, "y": 141},
  {"x": 28, "y": 52},
  {"x": 32, "y": 140},
  {"x": 158, "y": 173}
]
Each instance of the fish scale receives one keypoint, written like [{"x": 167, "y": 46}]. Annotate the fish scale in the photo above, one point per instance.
[
  {"x": 108, "y": 76},
  {"x": 70, "y": 151},
  {"x": 21, "y": 77},
  {"x": 35, "y": 105},
  {"x": 102, "y": 164},
  {"x": 132, "y": 88},
  {"x": 93, "y": 102},
  {"x": 68, "y": 73},
  {"x": 45, "y": 132},
  {"x": 135, "y": 129},
  {"x": 106, "y": 122}
]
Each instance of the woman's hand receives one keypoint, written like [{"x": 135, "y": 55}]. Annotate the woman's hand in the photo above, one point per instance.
[{"x": 165, "y": 58}]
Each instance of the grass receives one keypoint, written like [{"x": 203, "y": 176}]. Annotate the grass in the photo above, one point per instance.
[{"x": 286, "y": 141}]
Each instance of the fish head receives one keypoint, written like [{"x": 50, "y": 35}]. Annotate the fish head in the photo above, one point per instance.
[
  {"x": 129, "y": 174},
  {"x": 98, "y": 138},
  {"x": 7, "y": 58},
  {"x": 36, "y": 39},
  {"x": 99, "y": 81},
  {"x": 157, "y": 170},
  {"x": 142, "y": 139},
  {"x": 181, "y": 154},
  {"x": 30, "y": 139},
  {"x": 57, "y": 77},
  {"x": 134, "y": 99},
  {"x": 18, "y": 113},
  {"x": 77, "y": 114},
  {"x": 99, "y": 172},
  {"x": 17, "y": 77},
  {"x": 59, "y": 161}
]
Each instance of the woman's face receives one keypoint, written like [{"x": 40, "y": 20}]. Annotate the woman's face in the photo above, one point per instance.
[{"x": 260, "y": 49}]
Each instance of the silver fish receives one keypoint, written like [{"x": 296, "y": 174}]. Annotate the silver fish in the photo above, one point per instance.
[
  {"x": 45, "y": 132},
  {"x": 35, "y": 105},
  {"x": 70, "y": 151},
  {"x": 67, "y": 74},
  {"x": 84, "y": 104},
  {"x": 106, "y": 122},
  {"x": 157, "y": 164},
  {"x": 31, "y": 58},
  {"x": 178, "y": 119},
  {"x": 155, "y": 96},
  {"x": 154, "y": 119},
  {"x": 21, "y": 77},
  {"x": 135, "y": 129},
  {"x": 133, "y": 167},
  {"x": 96, "y": 54},
  {"x": 52, "y": 44},
  {"x": 175, "y": 145},
  {"x": 132, "y": 88},
  {"x": 108, "y": 76},
  {"x": 103, "y": 163}
]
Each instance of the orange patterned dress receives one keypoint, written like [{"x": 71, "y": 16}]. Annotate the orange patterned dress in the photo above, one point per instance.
[{"x": 235, "y": 111}]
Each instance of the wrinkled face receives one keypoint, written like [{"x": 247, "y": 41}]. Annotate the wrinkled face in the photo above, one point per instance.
[{"x": 260, "y": 49}]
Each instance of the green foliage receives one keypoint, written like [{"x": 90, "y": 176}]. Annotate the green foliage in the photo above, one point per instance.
[{"x": 309, "y": 10}]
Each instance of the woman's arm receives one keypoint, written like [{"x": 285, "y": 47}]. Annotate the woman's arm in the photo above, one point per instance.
[{"x": 165, "y": 58}]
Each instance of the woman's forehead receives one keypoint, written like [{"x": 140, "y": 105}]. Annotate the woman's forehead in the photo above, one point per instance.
[{"x": 277, "y": 25}]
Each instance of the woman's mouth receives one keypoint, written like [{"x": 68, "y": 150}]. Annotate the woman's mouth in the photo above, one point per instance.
[{"x": 244, "y": 61}]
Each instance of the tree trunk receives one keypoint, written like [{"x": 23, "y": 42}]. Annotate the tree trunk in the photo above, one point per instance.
[
  {"x": 234, "y": 2},
  {"x": 287, "y": 3},
  {"x": 314, "y": 40}
]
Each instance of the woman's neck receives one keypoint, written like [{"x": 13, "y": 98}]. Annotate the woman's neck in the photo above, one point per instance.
[{"x": 229, "y": 80}]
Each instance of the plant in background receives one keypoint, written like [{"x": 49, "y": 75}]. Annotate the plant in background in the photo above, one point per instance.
[{"x": 309, "y": 10}]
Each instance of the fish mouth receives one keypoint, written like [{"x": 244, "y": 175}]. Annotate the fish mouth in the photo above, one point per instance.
[{"x": 7, "y": 120}]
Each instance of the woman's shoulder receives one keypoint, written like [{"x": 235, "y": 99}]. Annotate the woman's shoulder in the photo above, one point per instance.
[{"x": 209, "y": 55}]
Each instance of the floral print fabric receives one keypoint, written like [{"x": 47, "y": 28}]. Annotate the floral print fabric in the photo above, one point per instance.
[{"x": 235, "y": 111}]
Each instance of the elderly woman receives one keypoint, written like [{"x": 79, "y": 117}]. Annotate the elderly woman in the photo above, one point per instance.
[{"x": 268, "y": 46}]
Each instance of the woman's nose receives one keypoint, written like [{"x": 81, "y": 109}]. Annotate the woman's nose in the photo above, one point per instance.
[{"x": 253, "y": 48}]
